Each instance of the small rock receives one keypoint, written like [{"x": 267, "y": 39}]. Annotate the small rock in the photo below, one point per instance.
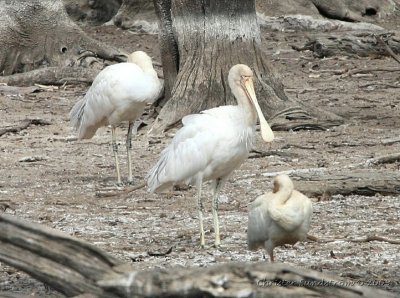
[{"x": 348, "y": 264}]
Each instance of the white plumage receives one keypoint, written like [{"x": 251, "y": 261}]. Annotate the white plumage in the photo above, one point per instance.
[
  {"x": 212, "y": 144},
  {"x": 279, "y": 217},
  {"x": 119, "y": 93}
]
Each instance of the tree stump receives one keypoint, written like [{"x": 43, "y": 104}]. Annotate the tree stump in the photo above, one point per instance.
[{"x": 203, "y": 40}]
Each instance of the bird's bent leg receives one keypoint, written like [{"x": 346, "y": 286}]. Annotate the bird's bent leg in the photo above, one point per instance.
[
  {"x": 215, "y": 202},
  {"x": 200, "y": 209},
  {"x": 115, "y": 150},
  {"x": 129, "y": 151}
]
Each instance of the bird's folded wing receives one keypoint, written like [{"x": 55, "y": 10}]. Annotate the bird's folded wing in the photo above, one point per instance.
[{"x": 189, "y": 153}]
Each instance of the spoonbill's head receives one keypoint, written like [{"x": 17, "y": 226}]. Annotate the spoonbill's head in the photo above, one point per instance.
[
  {"x": 281, "y": 181},
  {"x": 141, "y": 59},
  {"x": 240, "y": 77}
]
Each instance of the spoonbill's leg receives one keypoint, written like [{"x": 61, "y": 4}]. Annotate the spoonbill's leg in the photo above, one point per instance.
[
  {"x": 129, "y": 151},
  {"x": 115, "y": 150},
  {"x": 200, "y": 209},
  {"x": 270, "y": 250},
  {"x": 272, "y": 257},
  {"x": 215, "y": 201}
]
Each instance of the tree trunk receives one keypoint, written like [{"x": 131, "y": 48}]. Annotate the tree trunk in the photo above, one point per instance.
[
  {"x": 211, "y": 37},
  {"x": 75, "y": 267},
  {"x": 168, "y": 47},
  {"x": 39, "y": 33}
]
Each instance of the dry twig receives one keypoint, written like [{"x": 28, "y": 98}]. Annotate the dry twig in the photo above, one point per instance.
[
  {"x": 23, "y": 125},
  {"x": 364, "y": 239},
  {"x": 102, "y": 194},
  {"x": 388, "y": 49}
]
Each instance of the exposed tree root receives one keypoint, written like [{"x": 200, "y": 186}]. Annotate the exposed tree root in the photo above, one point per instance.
[{"x": 51, "y": 76}]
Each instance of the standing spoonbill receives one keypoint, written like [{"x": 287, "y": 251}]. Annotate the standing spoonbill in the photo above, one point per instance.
[
  {"x": 119, "y": 93},
  {"x": 279, "y": 217},
  {"x": 212, "y": 144}
]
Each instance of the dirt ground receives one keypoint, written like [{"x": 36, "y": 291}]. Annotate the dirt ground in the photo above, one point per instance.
[{"x": 59, "y": 187}]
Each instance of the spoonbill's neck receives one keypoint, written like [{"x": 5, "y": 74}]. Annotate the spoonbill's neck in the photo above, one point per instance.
[
  {"x": 148, "y": 69},
  {"x": 247, "y": 106},
  {"x": 282, "y": 192}
]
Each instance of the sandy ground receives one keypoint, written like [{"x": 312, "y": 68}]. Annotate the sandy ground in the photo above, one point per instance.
[{"x": 59, "y": 188}]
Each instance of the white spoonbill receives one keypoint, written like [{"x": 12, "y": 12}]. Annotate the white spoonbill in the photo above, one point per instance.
[
  {"x": 279, "y": 217},
  {"x": 212, "y": 144},
  {"x": 119, "y": 93}
]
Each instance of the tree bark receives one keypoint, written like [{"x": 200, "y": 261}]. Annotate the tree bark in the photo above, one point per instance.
[
  {"x": 168, "y": 47},
  {"x": 211, "y": 37},
  {"x": 75, "y": 267}
]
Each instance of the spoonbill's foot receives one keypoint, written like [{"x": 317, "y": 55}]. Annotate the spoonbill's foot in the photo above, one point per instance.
[
  {"x": 130, "y": 182},
  {"x": 119, "y": 184}
]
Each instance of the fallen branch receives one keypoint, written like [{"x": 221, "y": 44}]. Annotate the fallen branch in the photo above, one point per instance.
[
  {"x": 317, "y": 182},
  {"x": 296, "y": 125},
  {"x": 74, "y": 267},
  {"x": 309, "y": 23},
  {"x": 352, "y": 72},
  {"x": 312, "y": 238},
  {"x": 361, "y": 45},
  {"x": 385, "y": 85},
  {"x": 375, "y": 238},
  {"x": 23, "y": 125},
  {"x": 390, "y": 141},
  {"x": 262, "y": 154},
  {"x": 390, "y": 158}
]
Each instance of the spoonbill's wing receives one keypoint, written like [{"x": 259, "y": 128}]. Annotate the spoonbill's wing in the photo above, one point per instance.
[
  {"x": 114, "y": 91},
  {"x": 259, "y": 223},
  {"x": 192, "y": 149}
]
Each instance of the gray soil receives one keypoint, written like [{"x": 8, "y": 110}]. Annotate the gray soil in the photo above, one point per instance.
[{"x": 59, "y": 187}]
